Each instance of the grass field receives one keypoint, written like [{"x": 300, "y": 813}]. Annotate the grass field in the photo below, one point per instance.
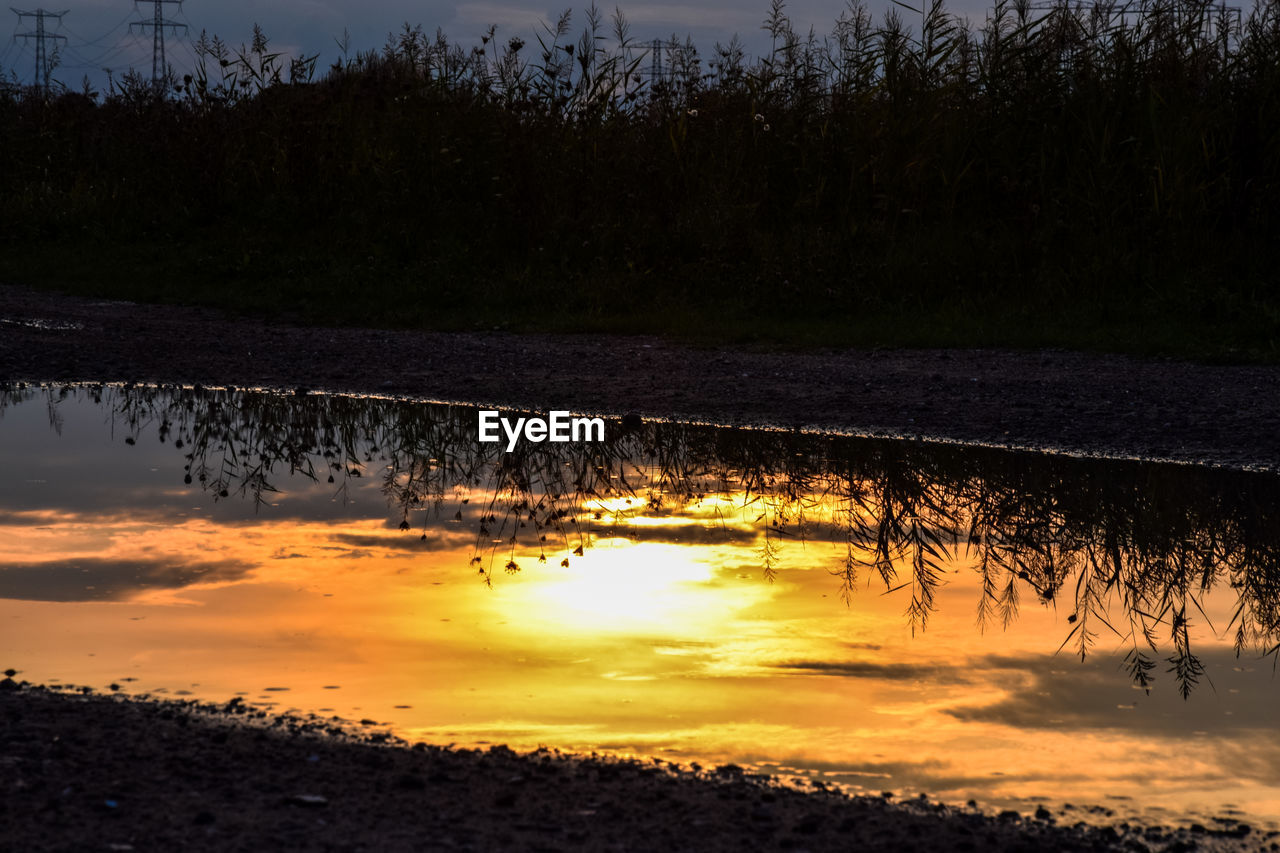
[{"x": 1083, "y": 177}]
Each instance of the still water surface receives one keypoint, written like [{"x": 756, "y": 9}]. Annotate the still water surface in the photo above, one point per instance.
[{"x": 882, "y": 615}]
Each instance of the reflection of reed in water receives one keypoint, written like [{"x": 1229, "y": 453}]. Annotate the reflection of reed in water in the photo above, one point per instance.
[{"x": 1150, "y": 539}]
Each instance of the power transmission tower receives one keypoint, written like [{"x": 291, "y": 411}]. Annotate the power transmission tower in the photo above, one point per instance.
[
  {"x": 42, "y": 56},
  {"x": 159, "y": 68},
  {"x": 656, "y": 73}
]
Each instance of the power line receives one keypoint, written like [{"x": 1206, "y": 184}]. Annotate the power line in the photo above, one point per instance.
[
  {"x": 103, "y": 60},
  {"x": 188, "y": 43},
  {"x": 185, "y": 44},
  {"x": 109, "y": 58},
  {"x": 40, "y": 36},
  {"x": 4, "y": 55},
  {"x": 84, "y": 42},
  {"x": 105, "y": 53}
]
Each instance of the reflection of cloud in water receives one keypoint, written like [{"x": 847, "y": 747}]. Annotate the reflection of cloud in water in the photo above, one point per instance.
[
  {"x": 94, "y": 579},
  {"x": 1057, "y": 693},
  {"x": 937, "y": 776},
  {"x": 871, "y": 669},
  {"x": 926, "y": 774},
  {"x": 406, "y": 542},
  {"x": 678, "y": 534}
]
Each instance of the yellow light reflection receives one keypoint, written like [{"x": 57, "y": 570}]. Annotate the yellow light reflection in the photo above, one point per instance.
[{"x": 619, "y": 587}]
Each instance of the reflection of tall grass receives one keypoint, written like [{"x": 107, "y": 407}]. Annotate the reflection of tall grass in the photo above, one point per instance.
[
  {"x": 1102, "y": 540},
  {"x": 1087, "y": 161}
]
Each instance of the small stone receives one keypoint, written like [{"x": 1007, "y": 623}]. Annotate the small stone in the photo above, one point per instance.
[
  {"x": 411, "y": 782},
  {"x": 809, "y": 825},
  {"x": 312, "y": 801}
]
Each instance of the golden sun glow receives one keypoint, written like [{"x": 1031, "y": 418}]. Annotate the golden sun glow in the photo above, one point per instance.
[{"x": 618, "y": 586}]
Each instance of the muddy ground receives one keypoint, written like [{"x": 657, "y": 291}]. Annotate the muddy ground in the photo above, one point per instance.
[
  {"x": 94, "y": 772},
  {"x": 1078, "y": 402}
]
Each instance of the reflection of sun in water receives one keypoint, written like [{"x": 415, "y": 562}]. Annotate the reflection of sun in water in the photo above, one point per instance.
[{"x": 621, "y": 586}]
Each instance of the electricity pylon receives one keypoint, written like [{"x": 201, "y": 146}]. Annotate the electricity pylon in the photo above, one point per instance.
[
  {"x": 656, "y": 72},
  {"x": 42, "y": 56},
  {"x": 159, "y": 68}
]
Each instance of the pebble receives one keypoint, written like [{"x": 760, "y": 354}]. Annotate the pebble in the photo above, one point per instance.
[{"x": 307, "y": 800}]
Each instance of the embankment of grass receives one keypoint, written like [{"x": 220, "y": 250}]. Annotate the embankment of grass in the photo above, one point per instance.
[{"x": 309, "y": 284}]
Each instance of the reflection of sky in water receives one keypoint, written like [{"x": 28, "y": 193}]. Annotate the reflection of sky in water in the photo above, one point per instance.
[{"x": 663, "y": 638}]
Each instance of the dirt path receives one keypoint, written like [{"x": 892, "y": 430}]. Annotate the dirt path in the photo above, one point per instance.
[{"x": 1098, "y": 404}]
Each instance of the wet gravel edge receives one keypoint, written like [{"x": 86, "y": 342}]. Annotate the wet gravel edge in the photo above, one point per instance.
[{"x": 87, "y": 771}]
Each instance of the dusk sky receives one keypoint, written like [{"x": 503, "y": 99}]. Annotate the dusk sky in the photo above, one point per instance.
[{"x": 98, "y": 32}]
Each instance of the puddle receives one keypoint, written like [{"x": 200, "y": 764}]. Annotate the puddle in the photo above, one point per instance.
[{"x": 881, "y": 615}]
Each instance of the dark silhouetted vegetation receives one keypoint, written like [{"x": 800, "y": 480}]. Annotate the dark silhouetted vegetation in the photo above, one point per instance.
[{"x": 1085, "y": 175}]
